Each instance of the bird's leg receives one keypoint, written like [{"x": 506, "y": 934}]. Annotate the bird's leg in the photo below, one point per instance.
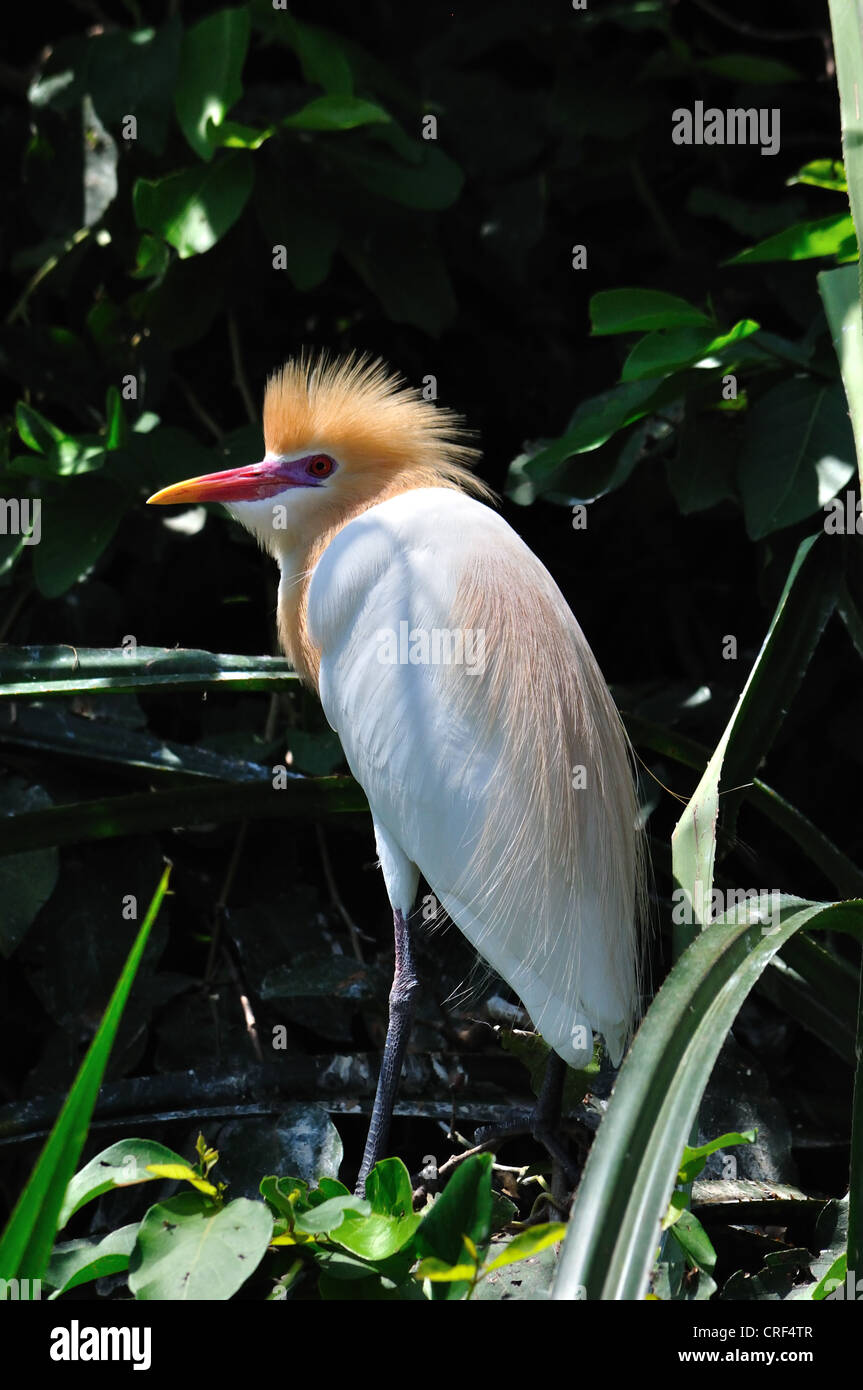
[
  {"x": 547, "y": 1113},
  {"x": 550, "y": 1100},
  {"x": 402, "y": 998}
]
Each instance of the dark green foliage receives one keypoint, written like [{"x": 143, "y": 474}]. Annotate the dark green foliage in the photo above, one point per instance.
[{"x": 650, "y": 341}]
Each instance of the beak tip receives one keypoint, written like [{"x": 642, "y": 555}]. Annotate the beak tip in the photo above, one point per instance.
[{"x": 165, "y": 497}]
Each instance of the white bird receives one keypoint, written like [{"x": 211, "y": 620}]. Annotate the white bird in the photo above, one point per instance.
[{"x": 469, "y": 705}]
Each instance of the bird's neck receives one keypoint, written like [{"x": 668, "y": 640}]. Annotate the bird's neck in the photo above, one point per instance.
[
  {"x": 297, "y": 564},
  {"x": 297, "y": 553}
]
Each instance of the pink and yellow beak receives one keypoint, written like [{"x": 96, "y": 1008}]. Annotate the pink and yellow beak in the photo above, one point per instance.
[{"x": 250, "y": 483}]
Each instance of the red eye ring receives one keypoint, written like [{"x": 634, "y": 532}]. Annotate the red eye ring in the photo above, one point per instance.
[{"x": 320, "y": 466}]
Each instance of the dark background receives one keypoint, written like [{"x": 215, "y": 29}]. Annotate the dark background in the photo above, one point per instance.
[{"x": 559, "y": 125}]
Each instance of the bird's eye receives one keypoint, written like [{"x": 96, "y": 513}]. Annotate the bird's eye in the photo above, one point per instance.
[{"x": 320, "y": 466}]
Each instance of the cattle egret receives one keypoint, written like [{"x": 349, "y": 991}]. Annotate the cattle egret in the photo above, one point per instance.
[{"x": 469, "y": 705}]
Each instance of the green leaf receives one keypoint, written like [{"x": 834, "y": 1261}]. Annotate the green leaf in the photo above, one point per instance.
[
  {"x": 337, "y": 112},
  {"x": 749, "y": 67},
  {"x": 586, "y": 477},
  {"x": 208, "y": 85},
  {"x": 595, "y": 421},
  {"x": 151, "y": 259},
  {"x": 183, "y": 1172},
  {"x": 669, "y": 349},
  {"x": 193, "y": 209},
  {"x": 676, "y": 1207},
  {"x": 631, "y": 1170},
  {"x": 310, "y": 235},
  {"x": 388, "y": 1188},
  {"x": 26, "y": 880},
  {"x": 287, "y": 1195},
  {"x": 37, "y": 432},
  {"x": 798, "y": 452},
  {"x": 26, "y": 1243},
  {"x": 409, "y": 276},
  {"x": 440, "y": 1273},
  {"x": 189, "y": 1249},
  {"x": 234, "y": 135},
  {"x": 328, "y": 1217},
  {"x": 528, "y": 1243},
  {"x": 124, "y": 1164},
  {"x": 117, "y": 431},
  {"x": 822, "y": 173},
  {"x": 78, "y": 523},
  {"x": 694, "y": 1242},
  {"x": 392, "y": 1221},
  {"x": 315, "y": 754},
  {"x": 828, "y": 236},
  {"x": 833, "y": 1280},
  {"x": 377, "y": 1237},
  {"x": 81, "y": 1261},
  {"x": 848, "y": 52},
  {"x": 804, "y": 606},
  {"x": 694, "y": 1159},
  {"x": 703, "y": 469},
  {"x": 811, "y": 985},
  {"x": 68, "y": 459},
  {"x": 832, "y": 1240},
  {"x": 839, "y": 290},
  {"x": 463, "y": 1209},
  {"x": 751, "y": 219},
  {"x": 321, "y": 54},
  {"x": 629, "y": 311},
  {"x": 331, "y": 1187},
  {"x": 430, "y": 184}
]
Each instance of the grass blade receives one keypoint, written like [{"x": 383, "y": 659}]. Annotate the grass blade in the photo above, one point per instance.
[{"x": 25, "y": 1247}]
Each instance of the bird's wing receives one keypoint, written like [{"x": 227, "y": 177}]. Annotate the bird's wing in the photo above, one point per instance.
[{"x": 473, "y": 713}]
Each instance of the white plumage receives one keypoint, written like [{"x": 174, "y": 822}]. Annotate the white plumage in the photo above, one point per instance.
[{"x": 439, "y": 774}]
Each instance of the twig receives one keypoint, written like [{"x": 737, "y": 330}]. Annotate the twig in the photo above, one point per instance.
[
  {"x": 335, "y": 898},
  {"x": 222, "y": 899},
  {"x": 752, "y": 31},
  {"x": 248, "y": 1015},
  {"x": 661, "y": 222},
  {"x": 45, "y": 269},
  {"x": 239, "y": 375},
  {"x": 202, "y": 414}
]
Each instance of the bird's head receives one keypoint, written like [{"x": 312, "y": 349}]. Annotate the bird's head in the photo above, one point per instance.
[{"x": 340, "y": 435}]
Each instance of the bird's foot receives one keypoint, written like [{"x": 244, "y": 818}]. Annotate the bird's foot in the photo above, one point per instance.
[
  {"x": 552, "y": 1139},
  {"x": 543, "y": 1122}
]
